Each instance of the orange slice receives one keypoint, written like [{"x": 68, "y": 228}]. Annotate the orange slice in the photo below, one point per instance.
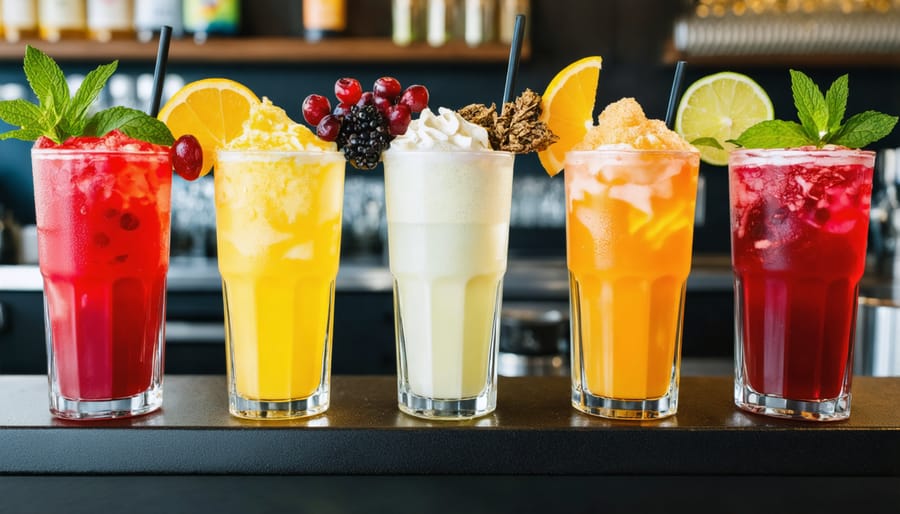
[
  {"x": 213, "y": 110},
  {"x": 568, "y": 109}
]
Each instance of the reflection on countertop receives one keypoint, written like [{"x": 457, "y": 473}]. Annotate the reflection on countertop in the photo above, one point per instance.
[{"x": 531, "y": 278}]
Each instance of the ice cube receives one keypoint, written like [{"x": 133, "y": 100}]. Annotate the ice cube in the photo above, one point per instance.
[
  {"x": 301, "y": 252},
  {"x": 635, "y": 195},
  {"x": 253, "y": 236},
  {"x": 95, "y": 185}
]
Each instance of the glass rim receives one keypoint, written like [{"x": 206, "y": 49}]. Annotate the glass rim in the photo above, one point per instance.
[
  {"x": 282, "y": 153},
  {"x": 94, "y": 151},
  {"x": 798, "y": 152},
  {"x": 479, "y": 152},
  {"x": 632, "y": 151}
]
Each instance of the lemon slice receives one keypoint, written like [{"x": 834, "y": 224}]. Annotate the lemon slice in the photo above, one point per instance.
[
  {"x": 567, "y": 107},
  {"x": 213, "y": 110},
  {"x": 721, "y": 106}
]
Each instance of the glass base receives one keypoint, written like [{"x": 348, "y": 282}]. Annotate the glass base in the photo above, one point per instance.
[
  {"x": 143, "y": 403},
  {"x": 287, "y": 409},
  {"x": 432, "y": 408},
  {"x": 834, "y": 409},
  {"x": 616, "y": 408}
]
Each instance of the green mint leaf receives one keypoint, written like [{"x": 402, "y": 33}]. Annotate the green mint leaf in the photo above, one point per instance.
[
  {"x": 863, "y": 129},
  {"x": 149, "y": 129},
  {"x": 23, "y": 134},
  {"x": 707, "y": 141},
  {"x": 88, "y": 92},
  {"x": 131, "y": 122},
  {"x": 21, "y": 113},
  {"x": 774, "y": 134},
  {"x": 47, "y": 81},
  {"x": 811, "y": 107},
  {"x": 836, "y": 99}
]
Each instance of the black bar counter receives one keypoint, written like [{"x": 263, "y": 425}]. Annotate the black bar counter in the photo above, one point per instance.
[{"x": 533, "y": 432}]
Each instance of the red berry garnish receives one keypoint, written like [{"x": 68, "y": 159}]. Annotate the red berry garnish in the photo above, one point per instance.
[
  {"x": 398, "y": 117},
  {"x": 367, "y": 98},
  {"x": 328, "y": 128},
  {"x": 342, "y": 110},
  {"x": 415, "y": 97},
  {"x": 347, "y": 90},
  {"x": 383, "y": 104},
  {"x": 315, "y": 107},
  {"x": 187, "y": 157},
  {"x": 387, "y": 87}
]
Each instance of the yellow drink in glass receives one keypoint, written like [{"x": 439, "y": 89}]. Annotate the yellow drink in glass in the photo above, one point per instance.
[
  {"x": 278, "y": 220},
  {"x": 629, "y": 230}
]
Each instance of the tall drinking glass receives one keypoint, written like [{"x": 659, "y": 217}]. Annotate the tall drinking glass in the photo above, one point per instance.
[
  {"x": 103, "y": 220},
  {"x": 629, "y": 230},
  {"x": 799, "y": 222},
  {"x": 278, "y": 223},
  {"x": 448, "y": 234}
]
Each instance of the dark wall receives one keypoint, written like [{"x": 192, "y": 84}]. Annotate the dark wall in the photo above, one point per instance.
[{"x": 629, "y": 34}]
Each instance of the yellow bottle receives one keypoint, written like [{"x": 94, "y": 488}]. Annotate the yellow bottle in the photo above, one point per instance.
[
  {"x": 62, "y": 19},
  {"x": 324, "y": 18},
  {"x": 110, "y": 19},
  {"x": 20, "y": 20}
]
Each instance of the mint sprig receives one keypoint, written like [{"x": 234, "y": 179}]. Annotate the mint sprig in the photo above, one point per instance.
[
  {"x": 59, "y": 115},
  {"x": 821, "y": 120}
]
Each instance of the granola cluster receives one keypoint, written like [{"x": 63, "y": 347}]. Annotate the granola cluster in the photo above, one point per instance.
[{"x": 518, "y": 129}]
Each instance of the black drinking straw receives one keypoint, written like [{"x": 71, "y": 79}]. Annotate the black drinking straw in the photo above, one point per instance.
[
  {"x": 515, "y": 51},
  {"x": 159, "y": 73},
  {"x": 675, "y": 94}
]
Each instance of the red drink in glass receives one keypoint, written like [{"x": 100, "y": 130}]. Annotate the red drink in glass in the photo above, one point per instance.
[
  {"x": 799, "y": 221},
  {"x": 103, "y": 215}
]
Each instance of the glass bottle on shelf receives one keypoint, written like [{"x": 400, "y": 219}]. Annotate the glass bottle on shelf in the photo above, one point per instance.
[
  {"x": 20, "y": 20},
  {"x": 442, "y": 21},
  {"x": 61, "y": 19},
  {"x": 408, "y": 18},
  {"x": 324, "y": 19},
  {"x": 205, "y": 17},
  {"x": 507, "y": 19},
  {"x": 480, "y": 21},
  {"x": 151, "y": 15},
  {"x": 110, "y": 19}
]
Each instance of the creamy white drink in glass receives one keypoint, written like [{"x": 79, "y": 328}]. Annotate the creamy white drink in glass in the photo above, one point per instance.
[{"x": 448, "y": 198}]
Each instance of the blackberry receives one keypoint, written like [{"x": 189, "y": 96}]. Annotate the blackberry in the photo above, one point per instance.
[{"x": 364, "y": 135}]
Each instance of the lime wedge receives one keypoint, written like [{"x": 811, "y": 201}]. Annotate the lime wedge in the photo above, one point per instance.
[{"x": 721, "y": 106}]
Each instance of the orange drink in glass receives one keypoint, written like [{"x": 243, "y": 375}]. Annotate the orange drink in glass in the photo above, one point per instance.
[{"x": 629, "y": 231}]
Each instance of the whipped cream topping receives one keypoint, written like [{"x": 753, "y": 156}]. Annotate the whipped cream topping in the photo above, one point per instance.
[{"x": 446, "y": 131}]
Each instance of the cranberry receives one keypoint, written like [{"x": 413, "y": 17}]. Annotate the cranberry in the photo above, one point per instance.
[
  {"x": 383, "y": 104},
  {"x": 342, "y": 110},
  {"x": 187, "y": 157},
  {"x": 328, "y": 128},
  {"x": 367, "y": 98},
  {"x": 415, "y": 97},
  {"x": 398, "y": 117},
  {"x": 315, "y": 107},
  {"x": 387, "y": 87},
  {"x": 347, "y": 90}
]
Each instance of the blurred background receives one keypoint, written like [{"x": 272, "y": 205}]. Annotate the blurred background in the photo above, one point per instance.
[{"x": 284, "y": 50}]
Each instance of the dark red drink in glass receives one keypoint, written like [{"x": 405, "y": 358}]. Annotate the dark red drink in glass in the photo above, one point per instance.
[{"x": 799, "y": 221}]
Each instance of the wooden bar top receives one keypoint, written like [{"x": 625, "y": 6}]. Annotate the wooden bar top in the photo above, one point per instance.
[{"x": 534, "y": 431}]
